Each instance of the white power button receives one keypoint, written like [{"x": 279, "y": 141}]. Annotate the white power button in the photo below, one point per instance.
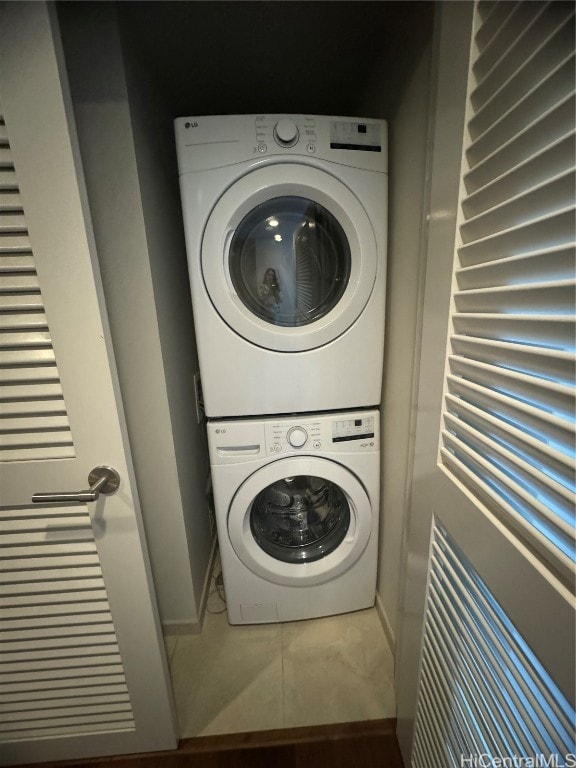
[
  {"x": 286, "y": 133},
  {"x": 297, "y": 437}
]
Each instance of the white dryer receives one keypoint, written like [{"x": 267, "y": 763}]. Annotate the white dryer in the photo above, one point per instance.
[
  {"x": 296, "y": 503},
  {"x": 286, "y": 223}
]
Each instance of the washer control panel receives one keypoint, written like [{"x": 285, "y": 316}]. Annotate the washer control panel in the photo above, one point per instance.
[
  {"x": 233, "y": 441},
  {"x": 345, "y": 432}
]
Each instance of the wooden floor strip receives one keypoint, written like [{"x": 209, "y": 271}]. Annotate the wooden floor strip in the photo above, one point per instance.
[{"x": 366, "y": 744}]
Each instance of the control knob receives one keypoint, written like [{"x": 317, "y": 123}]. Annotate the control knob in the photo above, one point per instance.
[
  {"x": 286, "y": 133},
  {"x": 297, "y": 437}
]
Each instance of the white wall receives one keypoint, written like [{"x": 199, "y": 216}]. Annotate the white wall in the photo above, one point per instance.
[
  {"x": 142, "y": 309},
  {"x": 408, "y": 153},
  {"x": 152, "y": 126}
]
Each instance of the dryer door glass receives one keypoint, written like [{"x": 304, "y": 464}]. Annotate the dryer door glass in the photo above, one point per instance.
[
  {"x": 289, "y": 261},
  {"x": 300, "y": 519}
]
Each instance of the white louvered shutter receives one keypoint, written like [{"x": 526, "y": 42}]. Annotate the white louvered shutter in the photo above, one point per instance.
[
  {"x": 34, "y": 423},
  {"x": 484, "y": 696},
  {"x": 83, "y": 671},
  {"x": 508, "y": 424},
  {"x": 60, "y": 668}
]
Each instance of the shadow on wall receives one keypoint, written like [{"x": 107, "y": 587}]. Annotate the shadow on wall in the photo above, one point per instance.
[{"x": 301, "y": 57}]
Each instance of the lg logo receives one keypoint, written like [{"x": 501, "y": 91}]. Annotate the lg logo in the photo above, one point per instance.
[{"x": 191, "y": 125}]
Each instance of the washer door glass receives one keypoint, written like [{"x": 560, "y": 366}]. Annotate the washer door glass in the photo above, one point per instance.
[
  {"x": 300, "y": 519},
  {"x": 289, "y": 261}
]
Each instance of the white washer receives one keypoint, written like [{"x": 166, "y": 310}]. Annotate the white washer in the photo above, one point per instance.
[
  {"x": 296, "y": 502},
  {"x": 286, "y": 221}
]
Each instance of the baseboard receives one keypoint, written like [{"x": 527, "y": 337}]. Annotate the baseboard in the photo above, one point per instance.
[
  {"x": 171, "y": 628},
  {"x": 194, "y": 627},
  {"x": 385, "y": 624}
]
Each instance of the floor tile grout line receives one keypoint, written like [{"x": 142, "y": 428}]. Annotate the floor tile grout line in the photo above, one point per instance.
[{"x": 283, "y": 638}]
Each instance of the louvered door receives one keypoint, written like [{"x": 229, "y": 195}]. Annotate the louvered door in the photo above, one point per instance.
[
  {"x": 34, "y": 422},
  {"x": 82, "y": 666},
  {"x": 492, "y": 539}
]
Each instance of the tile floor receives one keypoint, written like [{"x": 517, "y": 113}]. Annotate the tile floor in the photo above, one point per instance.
[{"x": 249, "y": 678}]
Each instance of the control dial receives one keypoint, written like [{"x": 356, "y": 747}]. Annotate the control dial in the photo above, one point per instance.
[
  {"x": 286, "y": 133},
  {"x": 297, "y": 437}
]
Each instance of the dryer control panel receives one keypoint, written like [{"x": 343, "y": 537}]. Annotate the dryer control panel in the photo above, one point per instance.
[{"x": 208, "y": 142}]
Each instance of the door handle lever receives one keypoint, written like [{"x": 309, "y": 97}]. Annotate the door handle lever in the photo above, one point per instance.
[{"x": 101, "y": 480}]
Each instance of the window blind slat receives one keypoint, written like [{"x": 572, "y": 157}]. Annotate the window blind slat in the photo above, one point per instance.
[
  {"x": 438, "y": 692},
  {"x": 464, "y": 704},
  {"x": 14, "y": 320},
  {"x": 558, "y": 466},
  {"x": 553, "y": 332},
  {"x": 22, "y": 340},
  {"x": 25, "y": 374},
  {"x": 483, "y": 658},
  {"x": 430, "y": 742},
  {"x": 443, "y": 686},
  {"x": 551, "y": 263},
  {"x": 549, "y": 127},
  {"x": 553, "y": 398},
  {"x": 457, "y": 666},
  {"x": 18, "y": 262},
  {"x": 10, "y": 200},
  {"x": 544, "y": 97},
  {"x": 497, "y": 44},
  {"x": 440, "y": 685},
  {"x": 12, "y": 222},
  {"x": 537, "y": 361},
  {"x": 553, "y": 521},
  {"x": 534, "y": 450},
  {"x": 490, "y": 628},
  {"x": 18, "y": 282},
  {"x": 8, "y": 180},
  {"x": 535, "y": 202},
  {"x": 539, "y": 233},
  {"x": 493, "y": 15},
  {"x": 550, "y": 38},
  {"x": 556, "y": 496},
  {"x": 29, "y": 355},
  {"x": 549, "y": 429},
  {"x": 86, "y": 694},
  {"x": 548, "y": 54},
  {"x": 500, "y": 498},
  {"x": 533, "y": 298},
  {"x": 548, "y": 162}
]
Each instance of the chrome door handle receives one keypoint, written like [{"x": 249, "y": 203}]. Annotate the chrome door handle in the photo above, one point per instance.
[{"x": 100, "y": 480}]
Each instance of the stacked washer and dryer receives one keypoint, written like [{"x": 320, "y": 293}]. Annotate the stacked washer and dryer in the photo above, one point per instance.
[{"x": 286, "y": 220}]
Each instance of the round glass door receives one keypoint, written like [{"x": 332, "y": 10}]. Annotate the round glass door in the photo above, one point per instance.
[
  {"x": 289, "y": 257},
  {"x": 300, "y": 519},
  {"x": 289, "y": 261}
]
